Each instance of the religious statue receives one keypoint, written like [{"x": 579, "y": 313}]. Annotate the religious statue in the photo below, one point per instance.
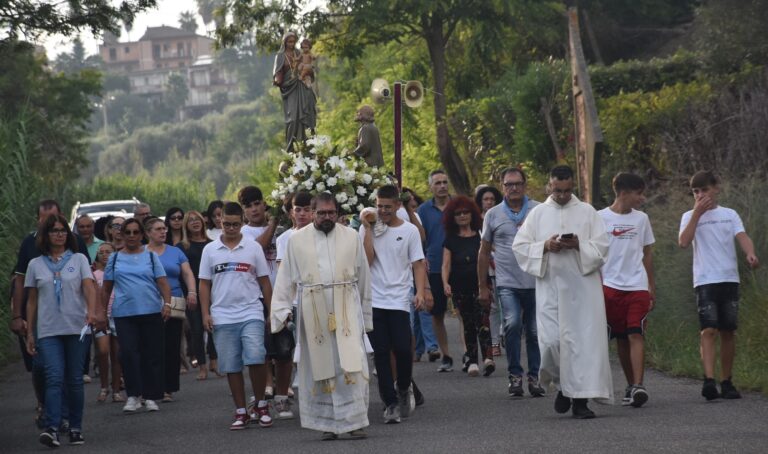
[
  {"x": 368, "y": 141},
  {"x": 299, "y": 100},
  {"x": 307, "y": 65}
]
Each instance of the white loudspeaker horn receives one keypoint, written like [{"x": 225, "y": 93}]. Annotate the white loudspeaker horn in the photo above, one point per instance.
[
  {"x": 380, "y": 91},
  {"x": 414, "y": 93}
]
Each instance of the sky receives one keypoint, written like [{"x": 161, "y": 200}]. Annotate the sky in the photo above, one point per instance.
[{"x": 165, "y": 13}]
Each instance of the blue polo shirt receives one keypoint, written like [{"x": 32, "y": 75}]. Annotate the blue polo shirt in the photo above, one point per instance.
[{"x": 432, "y": 220}]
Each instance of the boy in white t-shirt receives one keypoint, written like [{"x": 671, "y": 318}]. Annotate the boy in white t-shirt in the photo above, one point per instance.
[
  {"x": 396, "y": 257},
  {"x": 234, "y": 293},
  {"x": 711, "y": 229},
  {"x": 628, "y": 283}
]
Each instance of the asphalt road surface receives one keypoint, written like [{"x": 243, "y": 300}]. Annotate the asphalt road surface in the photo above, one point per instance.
[{"x": 461, "y": 415}]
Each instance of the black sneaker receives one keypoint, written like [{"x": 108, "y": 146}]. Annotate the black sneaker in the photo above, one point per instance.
[
  {"x": 728, "y": 391},
  {"x": 709, "y": 390},
  {"x": 446, "y": 365},
  {"x": 535, "y": 388},
  {"x": 627, "y": 399},
  {"x": 433, "y": 355},
  {"x": 638, "y": 396},
  {"x": 76, "y": 437},
  {"x": 50, "y": 437},
  {"x": 515, "y": 386},
  {"x": 581, "y": 411},
  {"x": 562, "y": 403}
]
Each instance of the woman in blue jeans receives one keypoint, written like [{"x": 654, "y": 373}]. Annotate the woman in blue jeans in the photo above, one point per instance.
[{"x": 62, "y": 300}]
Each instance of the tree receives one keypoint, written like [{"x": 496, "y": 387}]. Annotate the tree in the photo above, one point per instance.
[
  {"x": 176, "y": 93},
  {"x": 75, "y": 61},
  {"x": 188, "y": 21},
  {"x": 350, "y": 25},
  {"x": 33, "y": 18},
  {"x": 56, "y": 108}
]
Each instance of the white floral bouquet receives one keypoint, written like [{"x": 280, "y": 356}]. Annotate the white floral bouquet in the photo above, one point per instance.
[{"x": 318, "y": 167}]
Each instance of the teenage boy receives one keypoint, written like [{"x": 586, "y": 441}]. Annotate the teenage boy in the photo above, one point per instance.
[
  {"x": 628, "y": 283},
  {"x": 711, "y": 229},
  {"x": 234, "y": 292},
  {"x": 395, "y": 256}
]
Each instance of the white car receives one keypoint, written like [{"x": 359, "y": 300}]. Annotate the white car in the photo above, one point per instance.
[{"x": 96, "y": 210}]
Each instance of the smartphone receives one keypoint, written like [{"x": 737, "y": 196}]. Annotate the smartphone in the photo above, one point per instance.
[{"x": 566, "y": 236}]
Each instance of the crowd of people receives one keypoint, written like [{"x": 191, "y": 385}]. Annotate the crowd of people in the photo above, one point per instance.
[{"x": 318, "y": 292}]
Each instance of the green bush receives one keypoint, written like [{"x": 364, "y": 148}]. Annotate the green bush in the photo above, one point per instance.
[
  {"x": 188, "y": 193},
  {"x": 652, "y": 75},
  {"x": 18, "y": 197}
]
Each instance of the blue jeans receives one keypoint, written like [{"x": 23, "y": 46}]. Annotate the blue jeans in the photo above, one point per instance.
[
  {"x": 421, "y": 324},
  {"x": 518, "y": 310},
  {"x": 62, "y": 359}
]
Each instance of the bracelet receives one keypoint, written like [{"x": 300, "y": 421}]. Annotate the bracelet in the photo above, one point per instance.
[
  {"x": 192, "y": 293},
  {"x": 167, "y": 304}
]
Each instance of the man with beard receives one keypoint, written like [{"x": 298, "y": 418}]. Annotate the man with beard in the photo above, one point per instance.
[{"x": 325, "y": 266}]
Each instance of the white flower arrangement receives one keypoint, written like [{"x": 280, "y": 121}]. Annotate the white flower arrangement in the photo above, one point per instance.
[{"x": 317, "y": 167}]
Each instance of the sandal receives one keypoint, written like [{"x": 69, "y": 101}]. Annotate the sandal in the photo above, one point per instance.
[
  {"x": 167, "y": 397},
  {"x": 102, "y": 395},
  {"x": 202, "y": 375},
  {"x": 117, "y": 397}
]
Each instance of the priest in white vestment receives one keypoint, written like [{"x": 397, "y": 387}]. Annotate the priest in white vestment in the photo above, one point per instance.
[
  {"x": 563, "y": 243},
  {"x": 325, "y": 267}
]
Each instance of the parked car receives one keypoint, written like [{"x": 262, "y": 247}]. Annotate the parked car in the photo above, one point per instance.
[{"x": 104, "y": 208}]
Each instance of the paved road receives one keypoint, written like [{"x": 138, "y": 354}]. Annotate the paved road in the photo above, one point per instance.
[{"x": 461, "y": 414}]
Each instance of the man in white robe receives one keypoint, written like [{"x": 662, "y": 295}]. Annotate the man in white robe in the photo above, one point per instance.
[
  {"x": 563, "y": 243},
  {"x": 326, "y": 268}
]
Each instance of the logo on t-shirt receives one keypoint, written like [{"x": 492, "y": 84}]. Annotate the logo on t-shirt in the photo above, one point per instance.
[
  {"x": 617, "y": 232},
  {"x": 232, "y": 267},
  {"x": 399, "y": 238}
]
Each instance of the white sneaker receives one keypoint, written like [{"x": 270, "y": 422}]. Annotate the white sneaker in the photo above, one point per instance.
[
  {"x": 151, "y": 405},
  {"x": 282, "y": 406},
  {"x": 132, "y": 404},
  {"x": 473, "y": 370}
]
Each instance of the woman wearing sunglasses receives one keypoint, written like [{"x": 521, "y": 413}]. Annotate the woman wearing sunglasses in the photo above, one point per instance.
[{"x": 174, "y": 219}]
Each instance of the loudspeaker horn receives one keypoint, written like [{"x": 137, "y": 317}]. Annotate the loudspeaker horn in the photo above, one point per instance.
[
  {"x": 380, "y": 91},
  {"x": 414, "y": 93}
]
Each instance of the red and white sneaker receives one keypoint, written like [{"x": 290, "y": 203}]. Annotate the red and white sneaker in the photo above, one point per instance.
[
  {"x": 260, "y": 413},
  {"x": 240, "y": 422}
]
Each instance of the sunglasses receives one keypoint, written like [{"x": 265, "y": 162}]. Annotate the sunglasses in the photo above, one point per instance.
[
  {"x": 132, "y": 232},
  {"x": 176, "y": 218},
  {"x": 116, "y": 226},
  {"x": 57, "y": 232}
]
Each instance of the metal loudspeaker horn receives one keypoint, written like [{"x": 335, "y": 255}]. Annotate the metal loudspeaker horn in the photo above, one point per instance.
[
  {"x": 380, "y": 91},
  {"x": 414, "y": 93}
]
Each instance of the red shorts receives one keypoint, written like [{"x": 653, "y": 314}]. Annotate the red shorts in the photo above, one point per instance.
[{"x": 626, "y": 311}]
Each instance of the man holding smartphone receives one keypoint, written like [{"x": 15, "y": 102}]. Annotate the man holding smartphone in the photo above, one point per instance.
[{"x": 563, "y": 243}]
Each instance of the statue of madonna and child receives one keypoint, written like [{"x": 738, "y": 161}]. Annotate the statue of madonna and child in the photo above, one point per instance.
[{"x": 294, "y": 74}]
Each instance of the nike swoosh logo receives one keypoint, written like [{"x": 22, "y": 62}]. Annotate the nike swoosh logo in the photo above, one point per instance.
[{"x": 617, "y": 232}]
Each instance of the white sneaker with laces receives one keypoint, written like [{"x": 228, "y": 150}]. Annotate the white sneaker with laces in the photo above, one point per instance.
[
  {"x": 151, "y": 405},
  {"x": 132, "y": 404},
  {"x": 473, "y": 370}
]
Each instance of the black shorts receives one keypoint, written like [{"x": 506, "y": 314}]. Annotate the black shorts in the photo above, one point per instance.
[
  {"x": 279, "y": 346},
  {"x": 438, "y": 294},
  {"x": 718, "y": 305}
]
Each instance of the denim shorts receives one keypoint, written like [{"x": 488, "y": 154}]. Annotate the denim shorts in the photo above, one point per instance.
[
  {"x": 239, "y": 344},
  {"x": 718, "y": 305}
]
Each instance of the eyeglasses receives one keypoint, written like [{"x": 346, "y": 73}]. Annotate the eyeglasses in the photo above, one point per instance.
[
  {"x": 57, "y": 232},
  {"x": 231, "y": 225},
  {"x": 132, "y": 232},
  {"x": 461, "y": 213},
  {"x": 514, "y": 184},
  {"x": 191, "y": 220},
  {"x": 116, "y": 226},
  {"x": 176, "y": 218},
  {"x": 326, "y": 214}
]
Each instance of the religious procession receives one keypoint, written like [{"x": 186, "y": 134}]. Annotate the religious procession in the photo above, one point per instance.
[{"x": 335, "y": 280}]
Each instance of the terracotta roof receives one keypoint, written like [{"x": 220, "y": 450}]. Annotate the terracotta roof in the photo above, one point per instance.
[{"x": 165, "y": 31}]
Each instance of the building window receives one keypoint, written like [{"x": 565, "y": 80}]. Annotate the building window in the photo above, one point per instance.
[
  {"x": 180, "y": 49},
  {"x": 165, "y": 47},
  {"x": 156, "y": 51},
  {"x": 112, "y": 54},
  {"x": 127, "y": 50}
]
